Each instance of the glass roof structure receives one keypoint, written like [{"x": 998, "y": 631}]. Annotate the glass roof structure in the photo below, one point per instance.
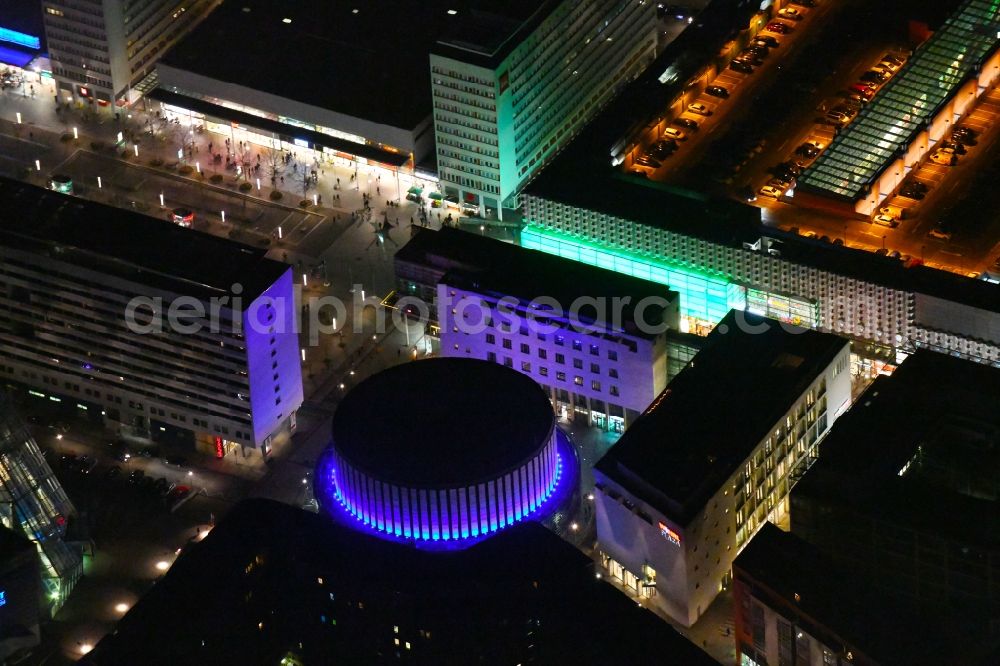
[{"x": 907, "y": 103}]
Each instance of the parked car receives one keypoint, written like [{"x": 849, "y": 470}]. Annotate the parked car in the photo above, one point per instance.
[
  {"x": 176, "y": 494},
  {"x": 717, "y": 91},
  {"x": 954, "y": 146},
  {"x": 750, "y": 58},
  {"x": 872, "y": 76},
  {"x": 864, "y": 91},
  {"x": 885, "y": 220},
  {"x": 741, "y": 67},
  {"x": 838, "y": 118},
  {"x": 661, "y": 150},
  {"x": 791, "y": 14},
  {"x": 675, "y": 134},
  {"x": 686, "y": 123},
  {"x": 964, "y": 135},
  {"x": 940, "y": 234},
  {"x": 943, "y": 158},
  {"x": 699, "y": 109},
  {"x": 647, "y": 161},
  {"x": 769, "y": 40},
  {"x": 771, "y": 191},
  {"x": 808, "y": 150}
]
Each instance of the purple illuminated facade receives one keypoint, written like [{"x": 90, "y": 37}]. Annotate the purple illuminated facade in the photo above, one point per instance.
[
  {"x": 450, "y": 513},
  {"x": 458, "y": 500}
]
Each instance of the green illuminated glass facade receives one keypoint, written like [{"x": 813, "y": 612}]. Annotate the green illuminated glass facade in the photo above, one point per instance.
[{"x": 705, "y": 298}]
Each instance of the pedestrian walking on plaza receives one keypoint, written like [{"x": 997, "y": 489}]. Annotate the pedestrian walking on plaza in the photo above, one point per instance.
[
  {"x": 378, "y": 190},
  {"x": 320, "y": 199},
  {"x": 210, "y": 147},
  {"x": 338, "y": 182},
  {"x": 282, "y": 180}
]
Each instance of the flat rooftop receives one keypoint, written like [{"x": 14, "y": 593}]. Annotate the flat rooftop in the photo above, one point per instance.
[
  {"x": 368, "y": 59},
  {"x": 470, "y": 261},
  {"x": 919, "y": 448},
  {"x": 331, "y": 594},
  {"x": 582, "y": 175},
  {"x": 684, "y": 447},
  {"x": 906, "y": 105},
  {"x": 456, "y": 438},
  {"x": 129, "y": 245},
  {"x": 834, "y": 604}
]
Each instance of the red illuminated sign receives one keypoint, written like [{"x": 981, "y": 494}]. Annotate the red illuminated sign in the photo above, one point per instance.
[
  {"x": 219, "y": 451},
  {"x": 670, "y": 535}
]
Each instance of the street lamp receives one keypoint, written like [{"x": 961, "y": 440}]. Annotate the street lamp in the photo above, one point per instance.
[
  {"x": 99, "y": 186},
  {"x": 161, "y": 199},
  {"x": 76, "y": 134},
  {"x": 18, "y": 117},
  {"x": 135, "y": 149},
  {"x": 38, "y": 165},
  {"x": 223, "y": 216}
]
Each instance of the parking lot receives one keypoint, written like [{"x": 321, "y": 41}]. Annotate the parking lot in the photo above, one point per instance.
[{"x": 684, "y": 142}]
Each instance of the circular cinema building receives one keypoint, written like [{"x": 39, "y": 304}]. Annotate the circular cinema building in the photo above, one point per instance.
[{"x": 444, "y": 450}]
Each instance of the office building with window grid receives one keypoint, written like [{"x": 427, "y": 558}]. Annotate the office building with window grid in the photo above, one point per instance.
[
  {"x": 502, "y": 303},
  {"x": 102, "y": 49},
  {"x": 511, "y": 86},
  {"x": 70, "y": 273},
  {"x": 714, "y": 457}
]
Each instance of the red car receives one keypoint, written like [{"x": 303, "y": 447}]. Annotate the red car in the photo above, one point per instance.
[{"x": 779, "y": 27}]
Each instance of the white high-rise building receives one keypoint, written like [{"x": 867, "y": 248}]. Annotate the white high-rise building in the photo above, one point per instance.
[
  {"x": 102, "y": 49},
  {"x": 510, "y": 88}
]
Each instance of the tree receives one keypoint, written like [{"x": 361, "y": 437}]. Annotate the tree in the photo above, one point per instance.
[{"x": 273, "y": 161}]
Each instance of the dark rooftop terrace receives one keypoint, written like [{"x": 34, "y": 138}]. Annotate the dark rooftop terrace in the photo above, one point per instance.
[
  {"x": 934, "y": 409},
  {"x": 364, "y": 59},
  {"x": 332, "y": 595},
  {"x": 710, "y": 417},
  {"x": 129, "y": 245}
]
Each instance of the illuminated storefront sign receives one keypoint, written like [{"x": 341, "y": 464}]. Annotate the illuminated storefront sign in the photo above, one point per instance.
[
  {"x": 790, "y": 309},
  {"x": 3, "y": 597},
  {"x": 220, "y": 452},
  {"x": 19, "y": 38},
  {"x": 670, "y": 535}
]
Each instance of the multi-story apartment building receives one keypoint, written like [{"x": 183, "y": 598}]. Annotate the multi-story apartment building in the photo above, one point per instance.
[
  {"x": 511, "y": 89},
  {"x": 89, "y": 296},
  {"x": 714, "y": 457},
  {"x": 595, "y": 340},
  {"x": 101, "y": 49},
  {"x": 907, "y": 492}
]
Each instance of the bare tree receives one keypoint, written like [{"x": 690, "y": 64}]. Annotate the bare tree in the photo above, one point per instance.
[
  {"x": 273, "y": 161},
  {"x": 244, "y": 158}
]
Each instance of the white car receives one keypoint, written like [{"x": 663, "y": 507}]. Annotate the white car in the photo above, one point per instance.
[
  {"x": 944, "y": 159},
  {"x": 941, "y": 235},
  {"x": 699, "y": 109},
  {"x": 675, "y": 134},
  {"x": 771, "y": 191},
  {"x": 885, "y": 220},
  {"x": 791, "y": 14}
]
